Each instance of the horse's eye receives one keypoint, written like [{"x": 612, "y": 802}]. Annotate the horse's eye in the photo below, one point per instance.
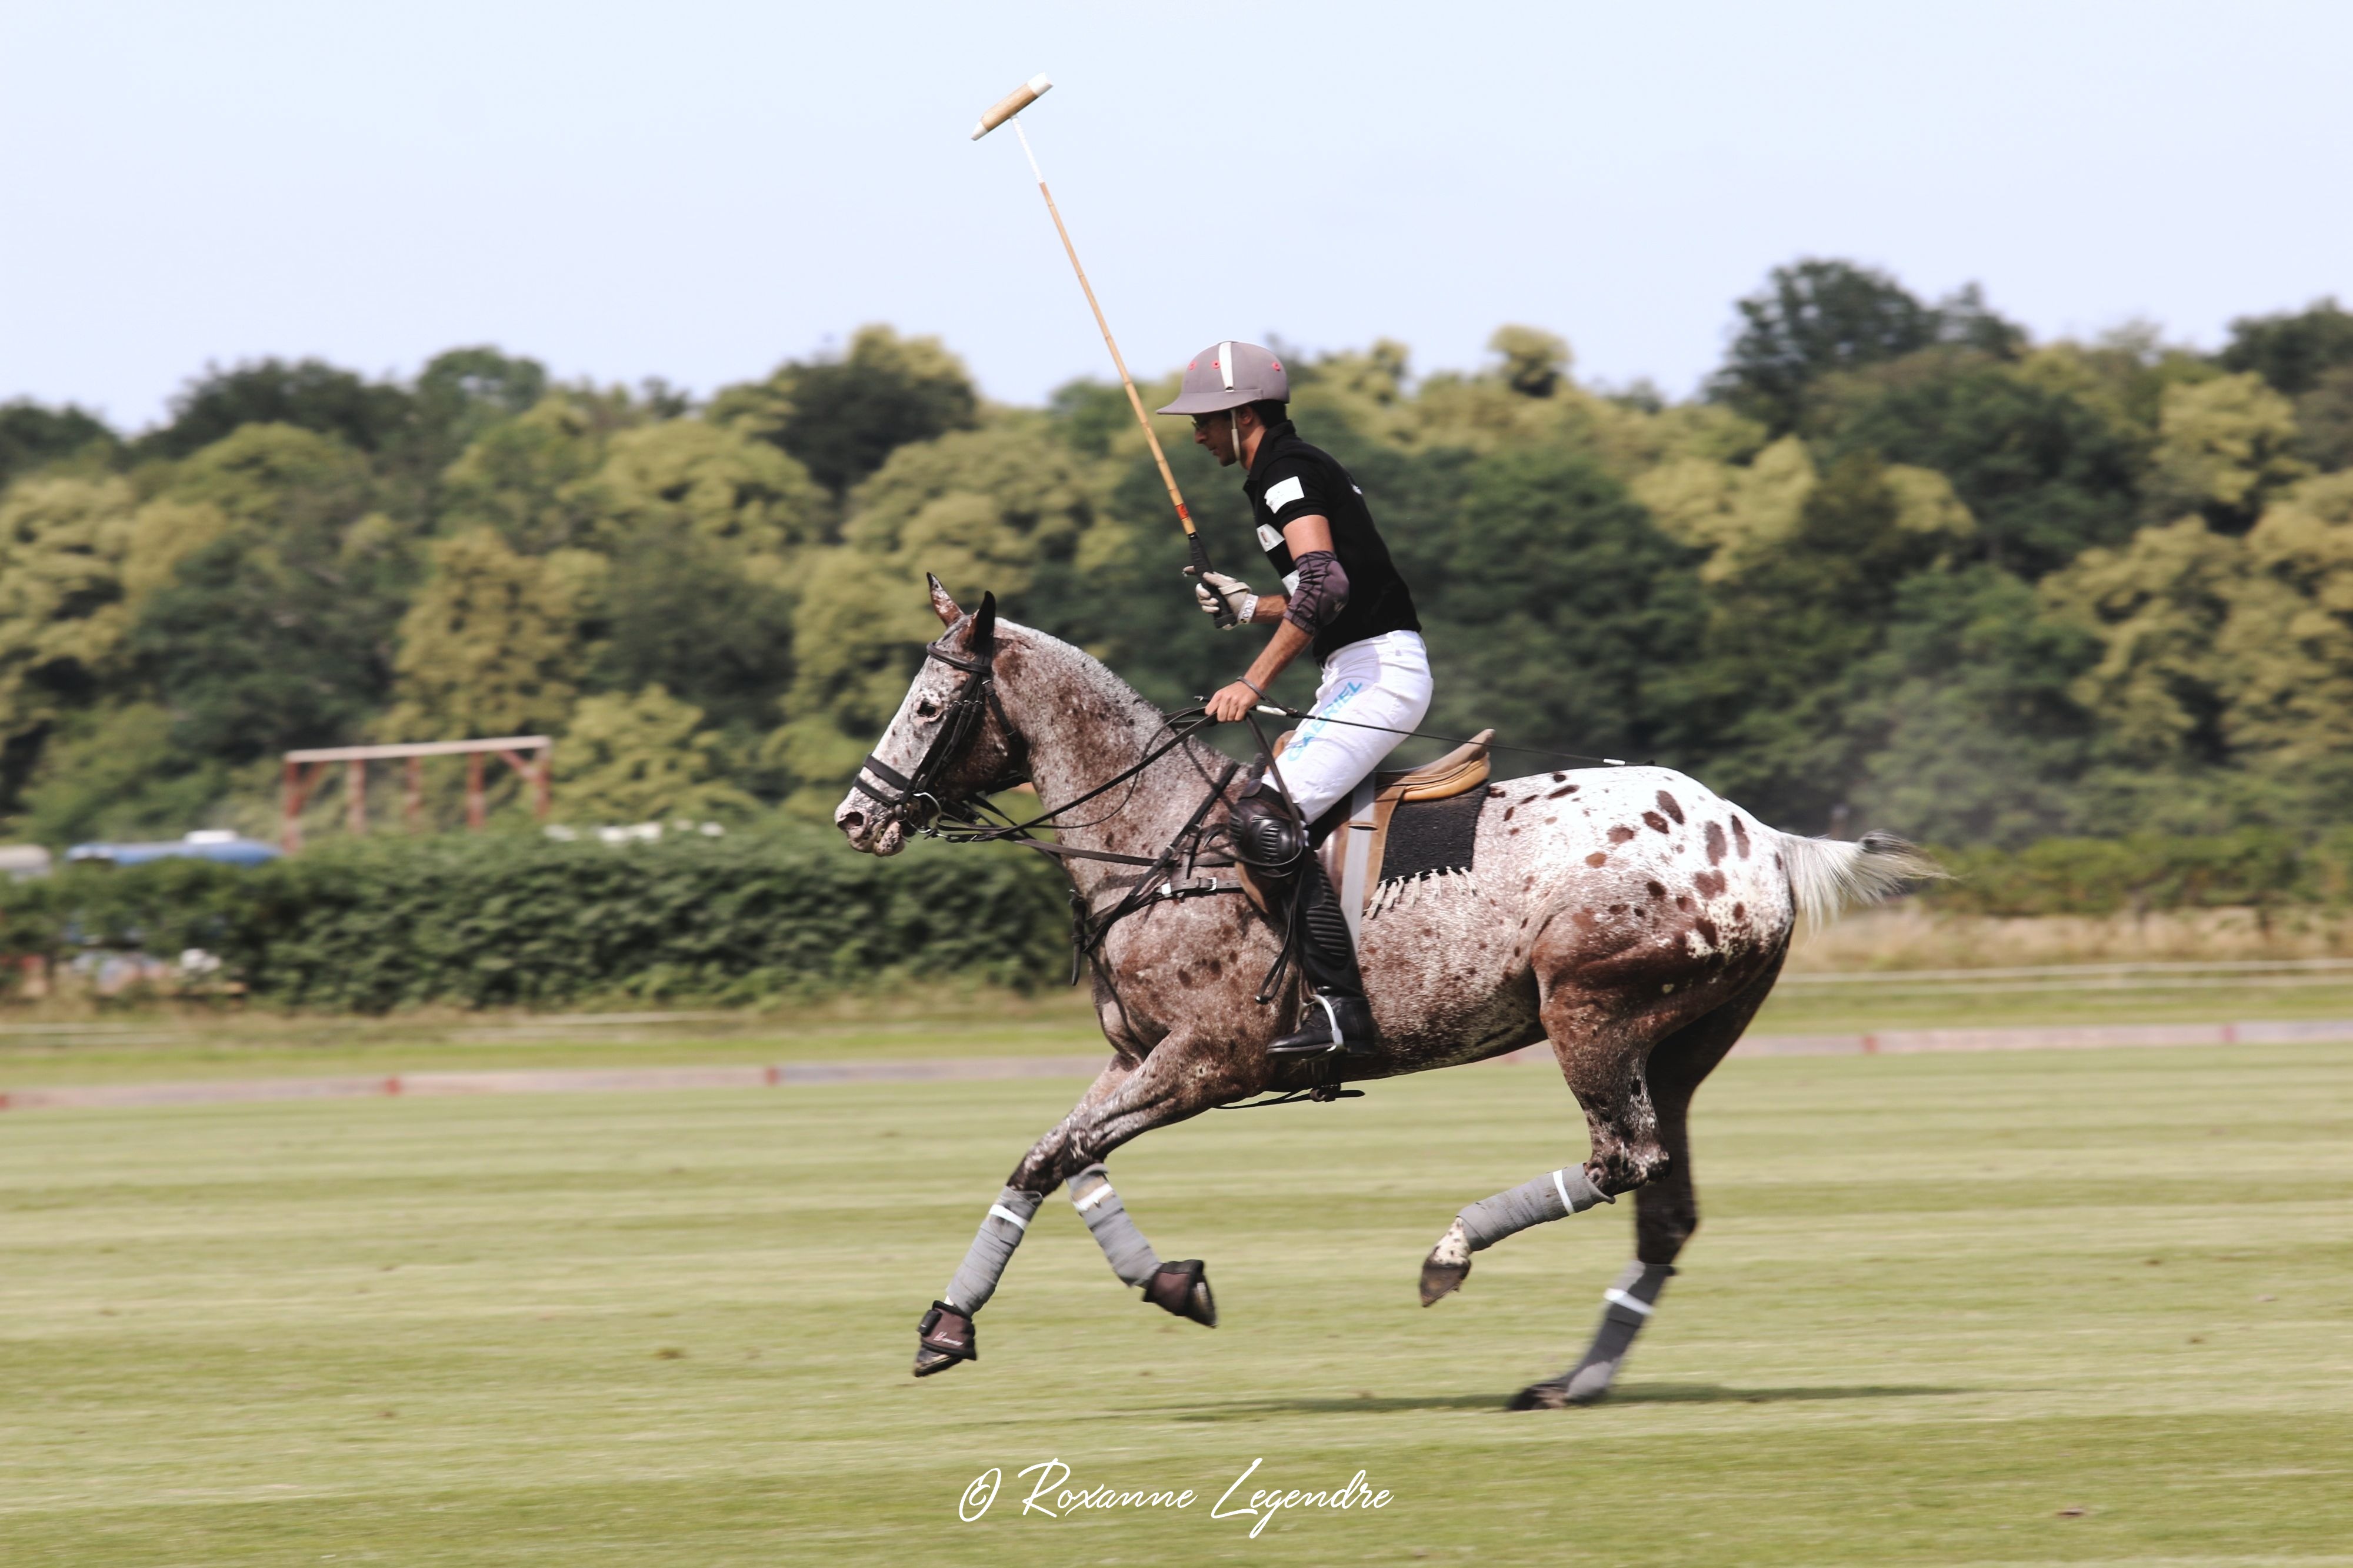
[{"x": 927, "y": 708}]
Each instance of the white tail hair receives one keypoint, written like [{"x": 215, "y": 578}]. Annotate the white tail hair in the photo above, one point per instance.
[{"x": 1826, "y": 875}]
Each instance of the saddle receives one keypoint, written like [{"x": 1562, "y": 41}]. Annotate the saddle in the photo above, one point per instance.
[{"x": 1356, "y": 835}]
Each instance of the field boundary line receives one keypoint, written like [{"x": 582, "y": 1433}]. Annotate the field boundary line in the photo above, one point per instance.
[{"x": 944, "y": 1069}]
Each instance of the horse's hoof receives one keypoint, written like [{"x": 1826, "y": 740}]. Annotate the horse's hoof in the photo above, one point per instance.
[
  {"x": 1541, "y": 1396},
  {"x": 1184, "y": 1288},
  {"x": 1439, "y": 1281},
  {"x": 944, "y": 1338},
  {"x": 929, "y": 1361}
]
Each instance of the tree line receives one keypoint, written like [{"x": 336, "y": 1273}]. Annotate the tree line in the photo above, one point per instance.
[{"x": 1896, "y": 564}]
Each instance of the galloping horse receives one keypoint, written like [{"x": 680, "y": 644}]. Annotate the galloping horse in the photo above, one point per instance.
[{"x": 1627, "y": 915}]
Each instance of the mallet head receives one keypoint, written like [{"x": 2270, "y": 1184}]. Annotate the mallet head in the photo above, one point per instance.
[{"x": 1011, "y": 104}]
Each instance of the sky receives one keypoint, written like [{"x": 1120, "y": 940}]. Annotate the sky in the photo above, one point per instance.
[{"x": 697, "y": 190}]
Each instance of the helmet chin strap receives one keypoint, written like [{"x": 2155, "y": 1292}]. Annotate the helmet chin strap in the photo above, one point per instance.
[{"x": 1234, "y": 423}]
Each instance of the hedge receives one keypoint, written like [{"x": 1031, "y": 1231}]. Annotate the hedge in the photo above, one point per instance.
[
  {"x": 372, "y": 925},
  {"x": 511, "y": 920},
  {"x": 2257, "y": 868}
]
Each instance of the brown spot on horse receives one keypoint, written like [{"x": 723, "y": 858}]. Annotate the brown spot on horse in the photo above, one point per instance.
[
  {"x": 1710, "y": 884},
  {"x": 1667, "y": 804},
  {"x": 1655, "y": 821},
  {"x": 1619, "y": 835},
  {"x": 1740, "y": 836},
  {"x": 1597, "y": 859},
  {"x": 1714, "y": 844}
]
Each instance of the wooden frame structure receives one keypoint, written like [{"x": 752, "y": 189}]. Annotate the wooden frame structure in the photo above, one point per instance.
[{"x": 303, "y": 770}]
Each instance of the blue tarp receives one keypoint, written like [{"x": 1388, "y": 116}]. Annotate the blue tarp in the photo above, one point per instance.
[{"x": 233, "y": 851}]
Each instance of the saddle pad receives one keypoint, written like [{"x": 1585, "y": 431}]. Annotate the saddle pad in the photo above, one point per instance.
[
  {"x": 1432, "y": 835},
  {"x": 1436, "y": 805}
]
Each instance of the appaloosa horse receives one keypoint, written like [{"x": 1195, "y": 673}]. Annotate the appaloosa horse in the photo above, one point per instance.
[{"x": 1626, "y": 914}]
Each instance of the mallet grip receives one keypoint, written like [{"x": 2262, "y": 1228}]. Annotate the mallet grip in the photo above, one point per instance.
[
  {"x": 1199, "y": 553},
  {"x": 1011, "y": 104}
]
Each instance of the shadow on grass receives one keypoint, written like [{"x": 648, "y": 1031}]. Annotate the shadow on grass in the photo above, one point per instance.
[{"x": 1633, "y": 1393}]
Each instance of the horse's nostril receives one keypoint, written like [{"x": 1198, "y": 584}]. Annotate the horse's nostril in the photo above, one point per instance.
[{"x": 851, "y": 821}]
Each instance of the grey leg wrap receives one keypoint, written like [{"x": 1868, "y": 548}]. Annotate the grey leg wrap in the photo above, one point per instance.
[
  {"x": 1555, "y": 1196},
  {"x": 976, "y": 1280},
  {"x": 1132, "y": 1258},
  {"x": 1626, "y": 1308}
]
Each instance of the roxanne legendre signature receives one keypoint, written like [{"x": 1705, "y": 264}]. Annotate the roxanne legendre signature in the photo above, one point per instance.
[{"x": 1051, "y": 1497}]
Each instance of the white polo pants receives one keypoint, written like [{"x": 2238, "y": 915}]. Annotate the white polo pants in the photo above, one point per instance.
[{"x": 1382, "y": 681}]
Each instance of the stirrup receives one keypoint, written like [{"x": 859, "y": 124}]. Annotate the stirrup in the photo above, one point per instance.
[{"x": 1331, "y": 1039}]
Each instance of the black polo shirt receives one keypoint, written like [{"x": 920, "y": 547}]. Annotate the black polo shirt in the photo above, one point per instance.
[{"x": 1291, "y": 480}]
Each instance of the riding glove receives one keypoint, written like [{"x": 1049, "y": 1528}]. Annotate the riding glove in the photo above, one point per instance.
[{"x": 1237, "y": 595}]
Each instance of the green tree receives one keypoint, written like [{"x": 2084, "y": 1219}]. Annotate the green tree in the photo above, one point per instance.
[
  {"x": 32, "y": 436},
  {"x": 279, "y": 631},
  {"x": 63, "y": 621},
  {"x": 2286, "y": 646},
  {"x": 1769, "y": 710},
  {"x": 2043, "y": 475},
  {"x": 2225, "y": 447},
  {"x": 116, "y": 772},
  {"x": 1982, "y": 737},
  {"x": 2156, "y": 606},
  {"x": 496, "y": 643},
  {"x": 842, "y": 416},
  {"x": 1565, "y": 607},
  {"x": 1813, "y": 318},
  {"x": 534, "y": 479},
  {"x": 2324, "y": 420},
  {"x": 310, "y": 395},
  {"x": 2292, "y": 351},
  {"x": 641, "y": 758}
]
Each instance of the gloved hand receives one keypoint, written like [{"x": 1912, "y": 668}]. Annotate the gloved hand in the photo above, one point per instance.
[{"x": 1238, "y": 595}]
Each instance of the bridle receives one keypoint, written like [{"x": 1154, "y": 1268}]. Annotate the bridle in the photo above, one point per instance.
[
  {"x": 966, "y": 816},
  {"x": 960, "y": 723}
]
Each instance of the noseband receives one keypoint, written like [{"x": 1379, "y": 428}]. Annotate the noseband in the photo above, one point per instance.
[{"x": 960, "y": 725}]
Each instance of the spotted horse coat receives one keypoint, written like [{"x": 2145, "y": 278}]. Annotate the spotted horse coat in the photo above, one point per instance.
[{"x": 1628, "y": 915}]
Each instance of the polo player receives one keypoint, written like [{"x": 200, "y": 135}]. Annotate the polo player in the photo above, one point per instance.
[{"x": 1343, "y": 597}]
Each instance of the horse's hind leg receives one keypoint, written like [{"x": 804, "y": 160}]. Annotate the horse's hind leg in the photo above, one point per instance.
[{"x": 1666, "y": 1210}]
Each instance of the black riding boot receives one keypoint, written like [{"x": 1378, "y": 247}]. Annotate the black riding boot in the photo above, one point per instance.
[{"x": 1336, "y": 1020}]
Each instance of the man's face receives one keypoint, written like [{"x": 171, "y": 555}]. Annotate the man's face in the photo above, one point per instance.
[{"x": 1216, "y": 431}]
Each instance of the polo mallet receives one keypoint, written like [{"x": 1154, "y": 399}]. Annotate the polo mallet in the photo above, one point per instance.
[{"x": 1009, "y": 106}]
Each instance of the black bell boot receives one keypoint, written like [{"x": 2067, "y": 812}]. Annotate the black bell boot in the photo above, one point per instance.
[{"x": 1332, "y": 1023}]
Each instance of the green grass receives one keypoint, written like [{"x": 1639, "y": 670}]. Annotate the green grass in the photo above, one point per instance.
[
  {"x": 191, "y": 1043},
  {"x": 1938, "y": 1301}
]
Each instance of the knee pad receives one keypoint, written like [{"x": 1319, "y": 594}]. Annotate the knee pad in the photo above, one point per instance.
[{"x": 1264, "y": 836}]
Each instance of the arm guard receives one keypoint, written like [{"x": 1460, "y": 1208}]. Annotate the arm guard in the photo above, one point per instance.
[{"x": 1321, "y": 592}]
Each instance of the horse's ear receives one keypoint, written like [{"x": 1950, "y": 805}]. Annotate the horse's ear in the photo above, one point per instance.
[
  {"x": 982, "y": 641},
  {"x": 942, "y": 605}
]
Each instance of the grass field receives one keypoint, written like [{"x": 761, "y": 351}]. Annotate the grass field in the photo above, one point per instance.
[
  {"x": 117, "y": 1045},
  {"x": 2073, "y": 1307}
]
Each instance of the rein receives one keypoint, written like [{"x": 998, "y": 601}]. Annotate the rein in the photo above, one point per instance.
[{"x": 968, "y": 817}]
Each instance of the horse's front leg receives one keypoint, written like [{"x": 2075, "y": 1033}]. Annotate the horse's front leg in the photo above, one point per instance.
[{"x": 1174, "y": 1082}]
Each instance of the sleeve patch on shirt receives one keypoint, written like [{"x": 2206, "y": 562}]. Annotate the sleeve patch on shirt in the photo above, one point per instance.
[{"x": 1283, "y": 493}]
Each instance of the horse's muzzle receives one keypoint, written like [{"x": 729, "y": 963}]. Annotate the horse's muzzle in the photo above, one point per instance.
[{"x": 878, "y": 834}]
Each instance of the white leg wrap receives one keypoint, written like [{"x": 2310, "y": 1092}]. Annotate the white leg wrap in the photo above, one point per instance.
[
  {"x": 1554, "y": 1196},
  {"x": 1130, "y": 1257},
  {"x": 1000, "y": 1232}
]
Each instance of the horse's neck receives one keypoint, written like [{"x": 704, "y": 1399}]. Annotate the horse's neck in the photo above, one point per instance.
[{"x": 1085, "y": 726}]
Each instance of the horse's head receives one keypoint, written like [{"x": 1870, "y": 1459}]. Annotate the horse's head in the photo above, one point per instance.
[{"x": 949, "y": 742}]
